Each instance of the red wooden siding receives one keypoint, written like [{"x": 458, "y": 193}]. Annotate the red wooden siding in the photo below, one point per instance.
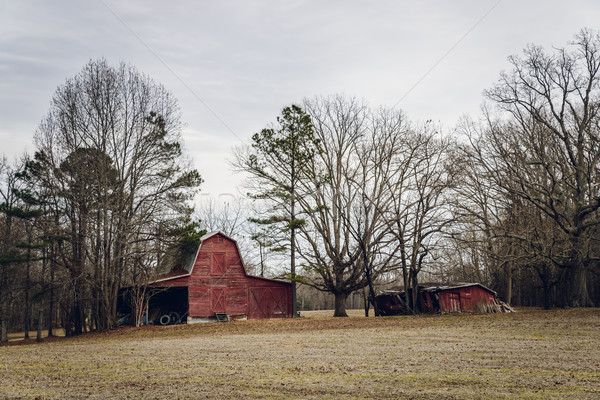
[
  {"x": 267, "y": 302},
  {"x": 258, "y": 298},
  {"x": 217, "y": 300},
  {"x": 467, "y": 299},
  {"x": 218, "y": 283},
  {"x": 450, "y": 302},
  {"x": 463, "y": 298},
  {"x": 218, "y": 266}
]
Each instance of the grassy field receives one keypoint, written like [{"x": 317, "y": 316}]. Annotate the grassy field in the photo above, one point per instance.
[{"x": 531, "y": 354}]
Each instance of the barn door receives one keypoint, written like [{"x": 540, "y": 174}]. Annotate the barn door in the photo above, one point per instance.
[
  {"x": 466, "y": 300},
  {"x": 267, "y": 302},
  {"x": 217, "y": 300},
  {"x": 279, "y": 303},
  {"x": 217, "y": 264},
  {"x": 258, "y": 302},
  {"x": 454, "y": 302}
]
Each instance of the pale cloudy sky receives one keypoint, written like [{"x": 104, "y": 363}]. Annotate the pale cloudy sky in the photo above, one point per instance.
[{"x": 233, "y": 65}]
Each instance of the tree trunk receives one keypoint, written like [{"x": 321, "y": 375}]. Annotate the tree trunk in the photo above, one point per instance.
[
  {"x": 372, "y": 295},
  {"x": 547, "y": 296},
  {"x": 51, "y": 294},
  {"x": 293, "y": 249},
  {"x": 293, "y": 276},
  {"x": 366, "y": 302},
  {"x": 340, "y": 305},
  {"x": 576, "y": 285},
  {"x": 3, "y": 305},
  {"x": 40, "y": 325},
  {"x": 3, "y": 327},
  {"x": 367, "y": 269},
  {"x": 262, "y": 262},
  {"x": 27, "y": 316},
  {"x": 40, "y": 322},
  {"x": 414, "y": 293},
  {"x": 77, "y": 312},
  {"x": 509, "y": 283},
  {"x": 3, "y": 331}
]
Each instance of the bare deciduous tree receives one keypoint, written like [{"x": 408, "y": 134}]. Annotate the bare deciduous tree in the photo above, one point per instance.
[
  {"x": 547, "y": 149},
  {"x": 418, "y": 214},
  {"x": 224, "y": 213},
  {"x": 348, "y": 245},
  {"x": 110, "y": 149}
]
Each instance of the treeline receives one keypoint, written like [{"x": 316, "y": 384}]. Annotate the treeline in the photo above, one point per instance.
[
  {"x": 96, "y": 205},
  {"x": 364, "y": 197},
  {"x": 356, "y": 198}
]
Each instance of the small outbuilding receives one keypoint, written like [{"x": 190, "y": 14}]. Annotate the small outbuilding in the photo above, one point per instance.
[
  {"x": 466, "y": 298},
  {"x": 462, "y": 298},
  {"x": 212, "y": 283}
]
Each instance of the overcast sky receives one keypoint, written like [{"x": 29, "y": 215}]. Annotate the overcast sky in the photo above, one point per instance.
[{"x": 233, "y": 65}]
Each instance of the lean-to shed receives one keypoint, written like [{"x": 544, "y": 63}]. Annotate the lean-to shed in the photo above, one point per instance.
[
  {"x": 466, "y": 298},
  {"x": 213, "y": 282},
  {"x": 463, "y": 298}
]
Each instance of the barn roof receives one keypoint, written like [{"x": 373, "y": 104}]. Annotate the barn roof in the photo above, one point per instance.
[
  {"x": 186, "y": 262},
  {"x": 214, "y": 233},
  {"x": 177, "y": 265},
  {"x": 440, "y": 288},
  {"x": 457, "y": 286}
]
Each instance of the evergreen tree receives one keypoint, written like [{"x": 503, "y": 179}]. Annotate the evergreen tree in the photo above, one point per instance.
[{"x": 279, "y": 158}]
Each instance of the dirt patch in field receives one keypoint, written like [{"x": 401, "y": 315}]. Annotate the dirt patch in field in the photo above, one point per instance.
[{"x": 530, "y": 354}]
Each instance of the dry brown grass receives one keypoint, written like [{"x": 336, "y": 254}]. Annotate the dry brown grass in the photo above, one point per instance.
[{"x": 531, "y": 354}]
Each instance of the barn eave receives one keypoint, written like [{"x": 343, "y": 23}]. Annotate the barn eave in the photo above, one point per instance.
[{"x": 168, "y": 278}]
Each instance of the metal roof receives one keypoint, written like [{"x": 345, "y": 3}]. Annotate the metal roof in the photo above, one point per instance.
[
  {"x": 443, "y": 287},
  {"x": 450, "y": 287}
]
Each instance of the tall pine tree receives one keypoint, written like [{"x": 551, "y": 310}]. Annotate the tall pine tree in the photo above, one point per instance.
[{"x": 278, "y": 160}]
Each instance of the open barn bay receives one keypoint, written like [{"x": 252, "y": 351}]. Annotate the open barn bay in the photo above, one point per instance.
[{"x": 531, "y": 354}]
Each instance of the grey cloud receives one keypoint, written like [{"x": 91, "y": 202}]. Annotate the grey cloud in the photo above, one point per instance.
[{"x": 247, "y": 60}]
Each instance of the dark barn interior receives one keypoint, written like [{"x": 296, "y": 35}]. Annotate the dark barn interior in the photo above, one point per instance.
[
  {"x": 168, "y": 301},
  {"x": 166, "y": 306}
]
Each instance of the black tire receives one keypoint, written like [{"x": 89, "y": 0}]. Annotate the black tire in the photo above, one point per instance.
[
  {"x": 174, "y": 317},
  {"x": 165, "y": 319}
]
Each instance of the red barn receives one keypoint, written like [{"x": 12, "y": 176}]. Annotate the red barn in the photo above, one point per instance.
[
  {"x": 463, "y": 298},
  {"x": 213, "y": 283},
  {"x": 466, "y": 298}
]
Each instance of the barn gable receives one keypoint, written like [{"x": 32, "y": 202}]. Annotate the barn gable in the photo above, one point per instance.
[{"x": 217, "y": 283}]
